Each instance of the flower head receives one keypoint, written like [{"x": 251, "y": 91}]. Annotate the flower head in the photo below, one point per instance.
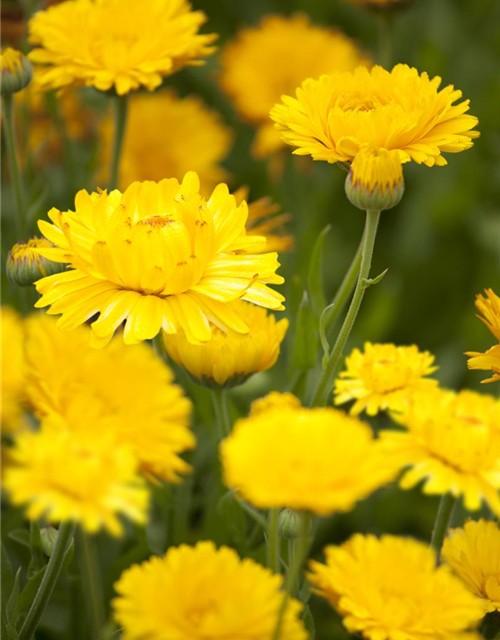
[
  {"x": 473, "y": 554},
  {"x": 375, "y": 179},
  {"x": 413, "y": 600},
  {"x": 384, "y": 377},
  {"x": 13, "y": 371},
  {"x": 273, "y": 58},
  {"x": 120, "y": 44},
  {"x": 125, "y": 391},
  {"x": 229, "y": 359},
  {"x": 25, "y": 264},
  {"x": 201, "y": 592},
  {"x": 168, "y": 136},
  {"x": 285, "y": 455},
  {"x": 401, "y": 110},
  {"x": 157, "y": 256},
  {"x": 15, "y": 71},
  {"x": 84, "y": 479},
  {"x": 451, "y": 442},
  {"x": 489, "y": 307}
]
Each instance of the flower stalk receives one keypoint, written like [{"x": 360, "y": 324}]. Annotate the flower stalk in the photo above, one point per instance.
[
  {"x": 49, "y": 581},
  {"x": 273, "y": 540},
  {"x": 324, "y": 385},
  {"x": 442, "y": 522},
  {"x": 91, "y": 579},
  {"x": 12, "y": 158},
  {"x": 222, "y": 419},
  {"x": 121, "y": 109}
]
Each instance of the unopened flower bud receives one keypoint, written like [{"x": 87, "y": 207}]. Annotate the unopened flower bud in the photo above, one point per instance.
[
  {"x": 292, "y": 523},
  {"x": 16, "y": 71},
  {"x": 375, "y": 181},
  {"x": 48, "y": 536},
  {"x": 26, "y": 265}
]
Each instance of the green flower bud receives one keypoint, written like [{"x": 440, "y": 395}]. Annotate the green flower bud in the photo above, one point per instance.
[
  {"x": 48, "y": 536},
  {"x": 16, "y": 71},
  {"x": 25, "y": 265},
  {"x": 375, "y": 181},
  {"x": 291, "y": 522}
]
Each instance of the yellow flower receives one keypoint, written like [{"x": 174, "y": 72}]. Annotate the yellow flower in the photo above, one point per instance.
[
  {"x": 125, "y": 391},
  {"x": 263, "y": 221},
  {"x": 25, "y": 264},
  {"x": 390, "y": 589},
  {"x": 452, "y": 444},
  {"x": 332, "y": 117},
  {"x": 490, "y": 360},
  {"x": 273, "y": 58},
  {"x": 15, "y": 71},
  {"x": 13, "y": 371},
  {"x": 229, "y": 359},
  {"x": 120, "y": 44},
  {"x": 384, "y": 377},
  {"x": 201, "y": 593},
  {"x": 285, "y": 455},
  {"x": 473, "y": 554},
  {"x": 168, "y": 136},
  {"x": 84, "y": 479},
  {"x": 157, "y": 256}
]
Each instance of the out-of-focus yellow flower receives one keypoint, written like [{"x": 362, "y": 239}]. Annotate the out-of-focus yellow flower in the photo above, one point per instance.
[
  {"x": 413, "y": 600},
  {"x": 158, "y": 256},
  {"x": 25, "y": 264},
  {"x": 489, "y": 307},
  {"x": 285, "y": 455},
  {"x": 473, "y": 553},
  {"x": 229, "y": 359},
  {"x": 402, "y": 110},
  {"x": 169, "y": 136},
  {"x": 452, "y": 444},
  {"x": 125, "y": 391},
  {"x": 384, "y": 377},
  {"x": 13, "y": 371},
  {"x": 86, "y": 479},
  {"x": 201, "y": 592},
  {"x": 116, "y": 44},
  {"x": 15, "y": 71},
  {"x": 273, "y": 58},
  {"x": 264, "y": 221}
]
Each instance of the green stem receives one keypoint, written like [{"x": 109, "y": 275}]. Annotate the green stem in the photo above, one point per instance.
[
  {"x": 345, "y": 290},
  {"x": 442, "y": 521},
  {"x": 91, "y": 580},
  {"x": 121, "y": 105},
  {"x": 12, "y": 157},
  {"x": 223, "y": 421},
  {"x": 182, "y": 509},
  {"x": 48, "y": 583},
  {"x": 384, "y": 53},
  {"x": 324, "y": 385},
  {"x": 273, "y": 541}
]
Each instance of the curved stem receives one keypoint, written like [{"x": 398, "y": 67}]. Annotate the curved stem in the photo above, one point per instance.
[
  {"x": 223, "y": 421},
  {"x": 48, "y": 583},
  {"x": 12, "y": 157},
  {"x": 121, "y": 104},
  {"x": 92, "y": 583},
  {"x": 442, "y": 522},
  {"x": 323, "y": 387},
  {"x": 273, "y": 541},
  {"x": 345, "y": 289}
]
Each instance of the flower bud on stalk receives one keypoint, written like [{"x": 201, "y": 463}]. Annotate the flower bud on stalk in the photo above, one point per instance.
[
  {"x": 16, "y": 71},
  {"x": 290, "y": 524},
  {"x": 48, "y": 536},
  {"x": 25, "y": 265}
]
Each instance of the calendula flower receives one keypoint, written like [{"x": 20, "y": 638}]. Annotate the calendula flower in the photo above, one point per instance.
[
  {"x": 13, "y": 371},
  {"x": 413, "y": 601},
  {"x": 15, "y": 71},
  {"x": 25, "y": 264},
  {"x": 116, "y": 44},
  {"x": 273, "y": 58},
  {"x": 452, "y": 444},
  {"x": 168, "y": 136},
  {"x": 158, "y": 256},
  {"x": 285, "y": 455},
  {"x": 229, "y": 359},
  {"x": 384, "y": 377},
  {"x": 61, "y": 477},
  {"x": 201, "y": 592},
  {"x": 473, "y": 554},
  {"x": 399, "y": 110},
  {"x": 125, "y": 391},
  {"x": 489, "y": 307},
  {"x": 265, "y": 220}
]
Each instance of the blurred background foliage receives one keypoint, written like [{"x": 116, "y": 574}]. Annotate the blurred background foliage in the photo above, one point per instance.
[{"x": 441, "y": 246}]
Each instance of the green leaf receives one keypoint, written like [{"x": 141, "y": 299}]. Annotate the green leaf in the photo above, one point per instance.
[
  {"x": 29, "y": 591},
  {"x": 309, "y": 623},
  {"x": 234, "y": 518},
  {"x": 322, "y": 334},
  {"x": 21, "y": 536},
  {"x": 7, "y": 573},
  {"x": 11, "y": 608},
  {"x": 306, "y": 337},
  {"x": 315, "y": 274}
]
